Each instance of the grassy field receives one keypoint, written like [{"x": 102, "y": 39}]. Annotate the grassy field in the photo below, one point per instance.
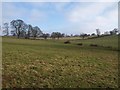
[
  {"x": 106, "y": 41},
  {"x": 53, "y": 64}
]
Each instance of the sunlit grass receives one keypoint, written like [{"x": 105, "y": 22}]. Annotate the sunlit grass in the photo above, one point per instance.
[{"x": 51, "y": 63}]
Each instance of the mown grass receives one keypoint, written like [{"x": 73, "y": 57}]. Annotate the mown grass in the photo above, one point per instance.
[{"x": 53, "y": 64}]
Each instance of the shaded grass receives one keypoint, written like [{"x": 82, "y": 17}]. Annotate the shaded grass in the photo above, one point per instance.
[{"x": 51, "y": 63}]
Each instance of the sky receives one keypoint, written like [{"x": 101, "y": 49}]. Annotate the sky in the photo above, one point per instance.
[{"x": 65, "y": 17}]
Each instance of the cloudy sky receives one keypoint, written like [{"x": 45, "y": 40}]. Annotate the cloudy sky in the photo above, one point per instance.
[{"x": 65, "y": 17}]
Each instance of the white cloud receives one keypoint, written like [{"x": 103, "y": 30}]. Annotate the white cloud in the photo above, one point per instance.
[
  {"x": 87, "y": 12},
  {"x": 11, "y": 11},
  {"x": 36, "y": 16},
  {"x": 95, "y": 15},
  {"x": 59, "y": 6}
]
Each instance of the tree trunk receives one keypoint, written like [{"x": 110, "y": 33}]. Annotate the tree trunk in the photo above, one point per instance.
[
  {"x": 17, "y": 32},
  {"x": 34, "y": 37},
  {"x": 18, "y": 36}
]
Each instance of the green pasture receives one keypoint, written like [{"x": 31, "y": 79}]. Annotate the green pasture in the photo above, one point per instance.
[{"x": 53, "y": 64}]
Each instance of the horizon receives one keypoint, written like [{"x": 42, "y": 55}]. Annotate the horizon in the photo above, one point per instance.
[{"x": 65, "y": 17}]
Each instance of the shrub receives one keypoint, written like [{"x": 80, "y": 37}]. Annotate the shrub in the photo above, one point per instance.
[
  {"x": 80, "y": 44},
  {"x": 94, "y": 45},
  {"x": 108, "y": 47},
  {"x": 67, "y": 42}
]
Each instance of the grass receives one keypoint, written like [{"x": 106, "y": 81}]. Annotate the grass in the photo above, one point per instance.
[
  {"x": 53, "y": 64},
  {"x": 107, "y": 41}
]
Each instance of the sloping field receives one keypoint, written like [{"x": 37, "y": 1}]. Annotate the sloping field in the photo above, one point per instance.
[
  {"x": 106, "y": 41},
  {"x": 53, "y": 64}
]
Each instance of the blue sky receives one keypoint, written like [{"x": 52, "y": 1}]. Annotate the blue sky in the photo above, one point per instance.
[{"x": 65, "y": 17}]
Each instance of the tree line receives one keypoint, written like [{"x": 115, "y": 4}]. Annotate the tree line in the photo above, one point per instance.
[{"x": 23, "y": 30}]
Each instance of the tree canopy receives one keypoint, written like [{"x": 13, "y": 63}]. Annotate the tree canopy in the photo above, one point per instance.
[{"x": 24, "y": 30}]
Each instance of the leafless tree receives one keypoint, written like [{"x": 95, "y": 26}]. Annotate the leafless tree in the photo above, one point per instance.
[
  {"x": 36, "y": 32},
  {"x": 18, "y": 26},
  {"x": 98, "y": 32},
  {"x": 6, "y": 28}
]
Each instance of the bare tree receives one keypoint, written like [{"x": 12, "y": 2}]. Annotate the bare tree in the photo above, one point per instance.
[
  {"x": 56, "y": 35},
  {"x": 30, "y": 28},
  {"x": 98, "y": 32},
  {"x": 114, "y": 31},
  {"x": 6, "y": 27},
  {"x": 45, "y": 35},
  {"x": 83, "y": 35},
  {"x": 53, "y": 35},
  {"x": 24, "y": 31},
  {"x": 36, "y": 32},
  {"x": 18, "y": 25},
  {"x": 13, "y": 30}
]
